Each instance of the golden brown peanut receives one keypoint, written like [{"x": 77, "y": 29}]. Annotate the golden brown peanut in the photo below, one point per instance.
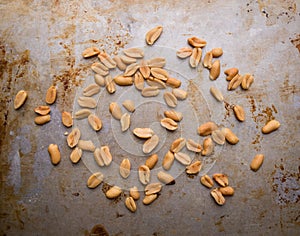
[
  {"x": 143, "y": 132},
  {"x": 168, "y": 160},
  {"x": 207, "y": 128},
  {"x": 217, "y": 52},
  {"x": 144, "y": 69},
  {"x": 153, "y": 34},
  {"x": 138, "y": 81},
  {"x": 144, "y": 174},
  {"x": 207, "y": 60},
  {"x": 215, "y": 70},
  {"x": 83, "y": 113},
  {"x": 42, "y": 110},
  {"x": 87, "y": 102},
  {"x": 86, "y": 145},
  {"x": 184, "y": 52},
  {"x": 125, "y": 122},
  {"x": 95, "y": 180},
  {"x": 110, "y": 84},
  {"x": 169, "y": 124},
  {"x": 231, "y": 72},
  {"x": 148, "y": 199},
  {"x": 151, "y": 161},
  {"x": 120, "y": 64},
  {"x": 193, "y": 146},
  {"x": 179, "y": 93},
  {"x": 75, "y": 155},
  {"x": 131, "y": 69},
  {"x": 271, "y": 126},
  {"x": 173, "y": 82},
  {"x": 113, "y": 192},
  {"x": 235, "y": 82},
  {"x": 134, "y": 193},
  {"x": 218, "y": 137},
  {"x": 99, "y": 80},
  {"x": 230, "y": 136},
  {"x": 256, "y": 162},
  {"x": 73, "y": 137},
  {"x": 170, "y": 99},
  {"x": 239, "y": 113},
  {"x": 150, "y": 92},
  {"x": 89, "y": 52},
  {"x": 165, "y": 178},
  {"x": 129, "y": 105},
  {"x": 226, "y": 191},
  {"x": 40, "y": 120},
  {"x": 206, "y": 181},
  {"x": 66, "y": 119},
  {"x": 51, "y": 95},
  {"x": 95, "y": 122},
  {"x": 134, "y": 52},
  {"x": 218, "y": 197},
  {"x": 54, "y": 153},
  {"x": 183, "y": 158},
  {"x": 107, "y": 60},
  {"x": 196, "y": 42},
  {"x": 193, "y": 168},
  {"x": 150, "y": 144},
  {"x": 195, "y": 58},
  {"x": 208, "y": 147},
  {"x": 177, "y": 145},
  {"x": 247, "y": 80},
  {"x": 157, "y": 62},
  {"x": 153, "y": 82},
  {"x": 106, "y": 155},
  {"x": 98, "y": 158},
  {"x": 221, "y": 179},
  {"x": 153, "y": 188},
  {"x": 216, "y": 94},
  {"x": 130, "y": 204},
  {"x": 91, "y": 90},
  {"x": 174, "y": 115},
  {"x": 125, "y": 168},
  {"x": 115, "y": 110}
]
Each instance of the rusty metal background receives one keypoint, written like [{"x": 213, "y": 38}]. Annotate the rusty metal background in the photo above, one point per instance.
[{"x": 41, "y": 44}]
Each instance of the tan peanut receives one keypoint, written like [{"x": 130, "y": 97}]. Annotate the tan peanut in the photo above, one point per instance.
[
  {"x": 86, "y": 145},
  {"x": 138, "y": 81},
  {"x": 170, "y": 99},
  {"x": 125, "y": 122},
  {"x": 217, "y": 52},
  {"x": 183, "y": 158},
  {"x": 120, "y": 64},
  {"x": 159, "y": 73},
  {"x": 168, "y": 160},
  {"x": 157, "y": 62},
  {"x": 66, "y": 119},
  {"x": 231, "y": 72},
  {"x": 173, "y": 82},
  {"x": 115, "y": 110},
  {"x": 174, "y": 115},
  {"x": 193, "y": 146},
  {"x": 235, "y": 82},
  {"x": 40, "y": 120},
  {"x": 184, "y": 52},
  {"x": 218, "y": 197},
  {"x": 193, "y": 168},
  {"x": 95, "y": 180},
  {"x": 215, "y": 70},
  {"x": 130, "y": 204},
  {"x": 196, "y": 42},
  {"x": 179, "y": 93},
  {"x": 230, "y": 136},
  {"x": 89, "y": 52},
  {"x": 95, "y": 122},
  {"x": 125, "y": 168},
  {"x": 153, "y": 82},
  {"x": 100, "y": 69},
  {"x": 99, "y": 80},
  {"x": 110, "y": 84},
  {"x": 51, "y": 95},
  {"x": 129, "y": 105},
  {"x": 134, "y": 52},
  {"x": 91, "y": 90},
  {"x": 106, "y": 155},
  {"x": 153, "y": 34},
  {"x": 143, "y": 132},
  {"x": 153, "y": 188},
  {"x": 87, "y": 102},
  {"x": 82, "y": 114},
  {"x": 208, "y": 147},
  {"x": 218, "y": 137},
  {"x": 145, "y": 69},
  {"x": 107, "y": 60},
  {"x": 217, "y": 94},
  {"x": 247, "y": 80},
  {"x": 226, "y": 191},
  {"x": 75, "y": 155},
  {"x": 113, "y": 192},
  {"x": 207, "y": 60},
  {"x": 134, "y": 193},
  {"x": 270, "y": 126},
  {"x": 206, "y": 181},
  {"x": 127, "y": 60},
  {"x": 150, "y": 144},
  {"x": 151, "y": 161},
  {"x": 73, "y": 137},
  {"x": 150, "y": 92},
  {"x": 165, "y": 178},
  {"x": 256, "y": 162},
  {"x": 169, "y": 124},
  {"x": 131, "y": 69},
  {"x": 148, "y": 199},
  {"x": 195, "y": 58},
  {"x": 144, "y": 174},
  {"x": 54, "y": 153},
  {"x": 42, "y": 110},
  {"x": 207, "y": 128}
]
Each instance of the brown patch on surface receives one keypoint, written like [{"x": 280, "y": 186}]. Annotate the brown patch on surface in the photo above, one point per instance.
[
  {"x": 287, "y": 90},
  {"x": 98, "y": 230},
  {"x": 296, "y": 42}
]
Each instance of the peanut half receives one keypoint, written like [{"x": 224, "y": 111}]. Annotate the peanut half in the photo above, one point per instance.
[
  {"x": 177, "y": 145},
  {"x": 143, "y": 132},
  {"x": 193, "y": 168},
  {"x": 207, "y": 128},
  {"x": 221, "y": 179},
  {"x": 231, "y": 72},
  {"x": 217, "y": 52},
  {"x": 148, "y": 199},
  {"x": 150, "y": 144},
  {"x": 87, "y": 102},
  {"x": 125, "y": 168},
  {"x": 270, "y": 126},
  {"x": 217, "y": 94},
  {"x": 66, "y": 119},
  {"x": 215, "y": 70},
  {"x": 151, "y": 161},
  {"x": 247, "y": 80},
  {"x": 230, "y": 136},
  {"x": 40, "y": 120},
  {"x": 99, "y": 80},
  {"x": 193, "y": 146},
  {"x": 196, "y": 42},
  {"x": 218, "y": 197},
  {"x": 73, "y": 137},
  {"x": 153, "y": 188},
  {"x": 134, "y": 193},
  {"x": 51, "y": 95},
  {"x": 54, "y": 153},
  {"x": 115, "y": 110},
  {"x": 89, "y": 52},
  {"x": 168, "y": 160},
  {"x": 150, "y": 92},
  {"x": 86, "y": 145},
  {"x": 95, "y": 180},
  {"x": 207, "y": 60},
  {"x": 256, "y": 162},
  {"x": 195, "y": 58},
  {"x": 170, "y": 99},
  {"x": 95, "y": 122},
  {"x": 75, "y": 155},
  {"x": 134, "y": 52},
  {"x": 42, "y": 110},
  {"x": 113, "y": 192},
  {"x": 91, "y": 90},
  {"x": 183, "y": 158},
  {"x": 206, "y": 181},
  {"x": 174, "y": 115},
  {"x": 239, "y": 113},
  {"x": 184, "y": 52},
  {"x": 153, "y": 34},
  {"x": 173, "y": 82},
  {"x": 144, "y": 174},
  {"x": 169, "y": 124},
  {"x": 129, "y": 105},
  {"x": 125, "y": 122},
  {"x": 208, "y": 147},
  {"x": 165, "y": 178},
  {"x": 130, "y": 204}
]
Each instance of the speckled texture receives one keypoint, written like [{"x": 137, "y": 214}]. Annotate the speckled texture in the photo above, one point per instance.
[{"x": 41, "y": 44}]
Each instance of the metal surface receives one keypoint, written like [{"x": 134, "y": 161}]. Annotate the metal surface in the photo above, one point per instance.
[{"x": 41, "y": 43}]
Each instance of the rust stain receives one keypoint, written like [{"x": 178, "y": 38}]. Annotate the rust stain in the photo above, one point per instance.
[
  {"x": 287, "y": 90},
  {"x": 296, "y": 42},
  {"x": 98, "y": 230}
]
